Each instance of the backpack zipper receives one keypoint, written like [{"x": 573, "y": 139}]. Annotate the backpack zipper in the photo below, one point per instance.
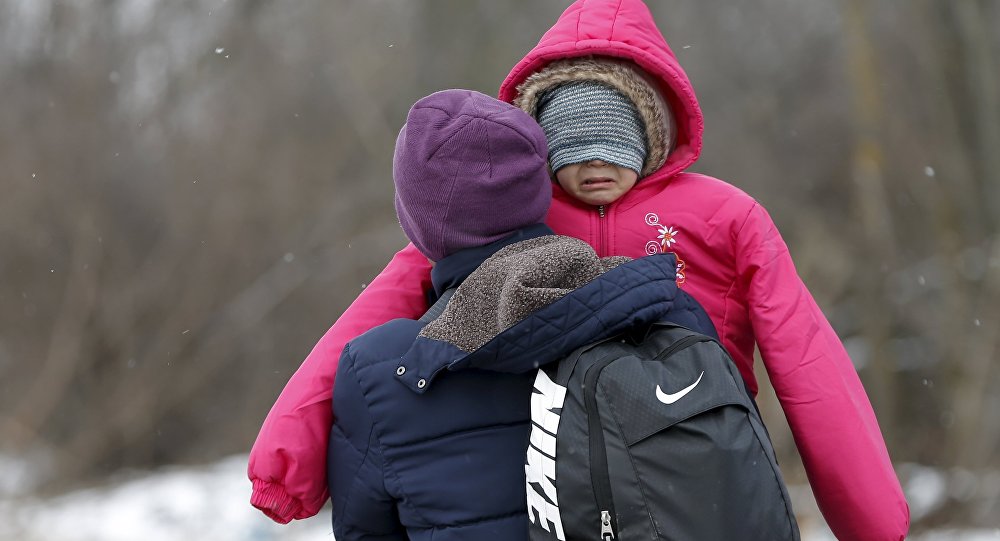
[
  {"x": 600, "y": 477},
  {"x": 682, "y": 344},
  {"x": 607, "y": 534}
]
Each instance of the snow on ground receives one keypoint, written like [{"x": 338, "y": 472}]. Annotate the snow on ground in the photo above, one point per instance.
[
  {"x": 211, "y": 503},
  {"x": 174, "y": 504}
]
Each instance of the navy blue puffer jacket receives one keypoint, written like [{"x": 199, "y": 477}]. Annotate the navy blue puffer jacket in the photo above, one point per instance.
[{"x": 429, "y": 440}]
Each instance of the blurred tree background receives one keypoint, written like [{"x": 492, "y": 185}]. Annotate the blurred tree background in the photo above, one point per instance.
[{"x": 192, "y": 191}]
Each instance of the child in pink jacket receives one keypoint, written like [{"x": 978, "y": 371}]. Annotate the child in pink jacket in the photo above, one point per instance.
[{"x": 622, "y": 186}]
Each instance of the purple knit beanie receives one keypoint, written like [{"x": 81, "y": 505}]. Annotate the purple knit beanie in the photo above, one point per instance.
[{"x": 469, "y": 170}]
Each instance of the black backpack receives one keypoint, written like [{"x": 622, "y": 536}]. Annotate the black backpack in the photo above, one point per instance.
[{"x": 652, "y": 437}]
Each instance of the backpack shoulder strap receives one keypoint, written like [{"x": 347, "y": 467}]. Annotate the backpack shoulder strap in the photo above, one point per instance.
[{"x": 434, "y": 311}]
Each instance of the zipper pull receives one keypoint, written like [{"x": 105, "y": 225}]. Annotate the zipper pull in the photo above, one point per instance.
[
  {"x": 606, "y": 532},
  {"x": 600, "y": 211}
]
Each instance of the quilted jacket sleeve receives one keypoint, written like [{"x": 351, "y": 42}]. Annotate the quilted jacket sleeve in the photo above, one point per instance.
[
  {"x": 829, "y": 414},
  {"x": 362, "y": 506},
  {"x": 288, "y": 461}
]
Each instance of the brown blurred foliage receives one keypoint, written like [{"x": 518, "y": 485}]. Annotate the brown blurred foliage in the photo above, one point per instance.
[{"x": 192, "y": 191}]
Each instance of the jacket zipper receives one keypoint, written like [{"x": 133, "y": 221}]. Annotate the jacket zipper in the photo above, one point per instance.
[
  {"x": 600, "y": 477},
  {"x": 603, "y": 230}
]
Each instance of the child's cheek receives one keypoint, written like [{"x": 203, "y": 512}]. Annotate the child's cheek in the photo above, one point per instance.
[{"x": 565, "y": 180}]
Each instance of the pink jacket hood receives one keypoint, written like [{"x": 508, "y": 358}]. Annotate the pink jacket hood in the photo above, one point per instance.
[{"x": 623, "y": 29}]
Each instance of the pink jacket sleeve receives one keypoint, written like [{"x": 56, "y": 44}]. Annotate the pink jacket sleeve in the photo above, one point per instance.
[
  {"x": 829, "y": 414},
  {"x": 288, "y": 461}
]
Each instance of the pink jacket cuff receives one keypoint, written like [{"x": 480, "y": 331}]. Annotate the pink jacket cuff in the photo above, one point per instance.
[{"x": 272, "y": 499}]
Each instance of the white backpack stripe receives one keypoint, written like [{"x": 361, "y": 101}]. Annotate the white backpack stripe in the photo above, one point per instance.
[{"x": 540, "y": 464}]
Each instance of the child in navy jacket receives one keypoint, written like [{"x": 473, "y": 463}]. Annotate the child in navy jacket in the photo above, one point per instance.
[{"x": 433, "y": 415}]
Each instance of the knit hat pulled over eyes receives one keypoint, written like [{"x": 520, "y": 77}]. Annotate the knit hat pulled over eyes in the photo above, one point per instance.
[
  {"x": 623, "y": 76},
  {"x": 468, "y": 170},
  {"x": 586, "y": 121}
]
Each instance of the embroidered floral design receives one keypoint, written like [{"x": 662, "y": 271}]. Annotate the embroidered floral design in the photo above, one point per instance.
[
  {"x": 666, "y": 238},
  {"x": 667, "y": 235}
]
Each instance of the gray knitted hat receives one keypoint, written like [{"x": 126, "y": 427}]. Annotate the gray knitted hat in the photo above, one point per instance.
[
  {"x": 586, "y": 121},
  {"x": 624, "y": 77}
]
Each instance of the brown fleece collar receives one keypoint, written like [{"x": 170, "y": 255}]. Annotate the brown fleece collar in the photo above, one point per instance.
[{"x": 516, "y": 281}]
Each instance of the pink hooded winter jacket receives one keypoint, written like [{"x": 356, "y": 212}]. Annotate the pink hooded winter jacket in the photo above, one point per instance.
[{"x": 731, "y": 258}]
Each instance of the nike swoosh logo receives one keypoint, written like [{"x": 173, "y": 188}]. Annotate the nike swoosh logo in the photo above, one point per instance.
[{"x": 668, "y": 398}]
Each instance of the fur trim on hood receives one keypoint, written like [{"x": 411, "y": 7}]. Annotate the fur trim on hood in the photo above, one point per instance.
[{"x": 619, "y": 75}]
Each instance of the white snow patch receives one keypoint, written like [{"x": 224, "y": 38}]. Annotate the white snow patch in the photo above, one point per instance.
[
  {"x": 174, "y": 504},
  {"x": 17, "y": 476},
  {"x": 212, "y": 502},
  {"x": 926, "y": 489}
]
